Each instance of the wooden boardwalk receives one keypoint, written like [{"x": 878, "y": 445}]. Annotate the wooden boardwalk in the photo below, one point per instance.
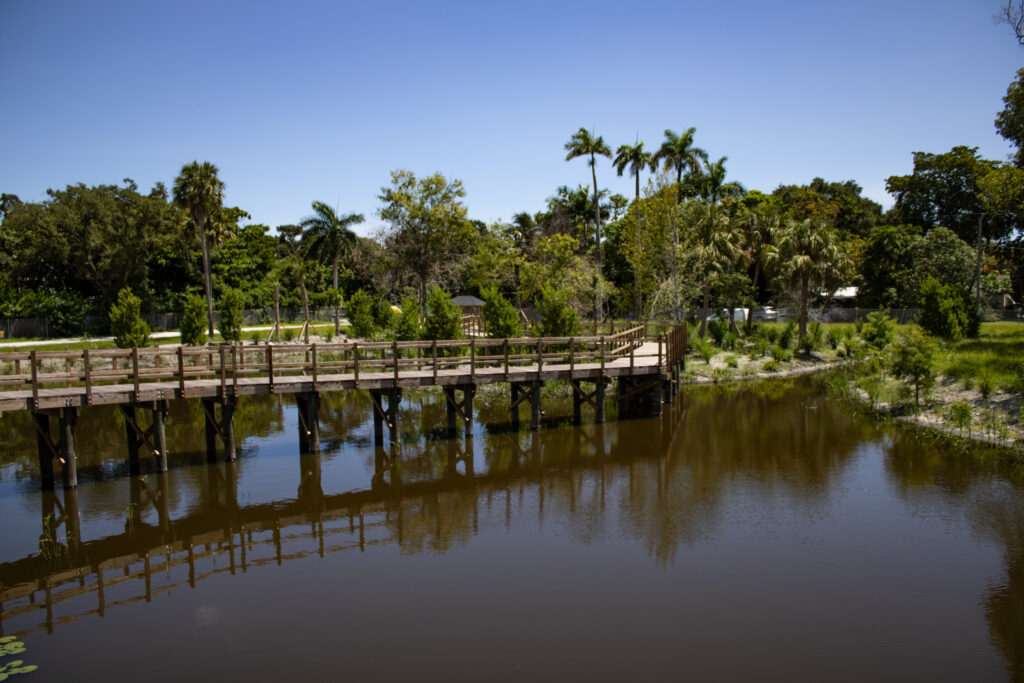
[{"x": 59, "y": 383}]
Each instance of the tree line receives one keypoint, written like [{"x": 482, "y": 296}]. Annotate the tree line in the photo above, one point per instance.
[{"x": 689, "y": 240}]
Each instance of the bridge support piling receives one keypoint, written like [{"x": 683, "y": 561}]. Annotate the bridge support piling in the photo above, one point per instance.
[
  {"x": 45, "y": 448},
  {"x": 308, "y": 406},
  {"x": 468, "y": 392},
  {"x": 640, "y": 396},
  {"x": 211, "y": 430},
  {"x": 451, "y": 408},
  {"x": 227, "y": 424},
  {"x": 535, "y": 411},
  {"x": 378, "y": 420},
  {"x": 160, "y": 435},
  {"x": 514, "y": 410},
  {"x": 577, "y": 405},
  {"x": 394, "y": 398},
  {"x": 68, "y": 418},
  {"x": 599, "y": 392},
  {"x": 131, "y": 438}
]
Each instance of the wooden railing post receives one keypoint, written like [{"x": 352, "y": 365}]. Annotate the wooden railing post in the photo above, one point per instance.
[
  {"x": 315, "y": 371},
  {"x": 234, "y": 369},
  {"x": 135, "y": 370},
  {"x": 355, "y": 362},
  {"x": 270, "y": 365},
  {"x": 181, "y": 371},
  {"x": 472, "y": 360},
  {"x": 506, "y": 359},
  {"x": 540, "y": 356},
  {"x": 35, "y": 378},
  {"x": 433, "y": 354},
  {"x": 572, "y": 356},
  {"x": 661, "y": 340},
  {"x": 602, "y": 355},
  {"x": 88, "y": 376},
  {"x": 223, "y": 377},
  {"x": 394, "y": 360}
]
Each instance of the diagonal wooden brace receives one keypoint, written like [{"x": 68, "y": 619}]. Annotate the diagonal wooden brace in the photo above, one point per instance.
[
  {"x": 458, "y": 407},
  {"x": 49, "y": 442},
  {"x": 641, "y": 388},
  {"x": 129, "y": 417},
  {"x": 214, "y": 422},
  {"x": 378, "y": 406},
  {"x": 589, "y": 397},
  {"x": 527, "y": 390}
]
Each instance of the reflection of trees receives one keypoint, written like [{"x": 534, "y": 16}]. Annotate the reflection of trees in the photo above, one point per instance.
[
  {"x": 990, "y": 490},
  {"x": 775, "y": 433}
]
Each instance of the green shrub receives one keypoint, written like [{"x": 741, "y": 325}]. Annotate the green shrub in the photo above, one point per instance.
[
  {"x": 443, "y": 319},
  {"x": 703, "y": 348},
  {"x": 816, "y": 333},
  {"x": 787, "y": 335},
  {"x": 771, "y": 366},
  {"x": 255, "y": 338},
  {"x": 914, "y": 358},
  {"x": 760, "y": 348},
  {"x": 807, "y": 344},
  {"x": 771, "y": 333},
  {"x": 360, "y": 315},
  {"x": 852, "y": 348},
  {"x": 780, "y": 354},
  {"x": 878, "y": 330},
  {"x": 721, "y": 373},
  {"x": 384, "y": 318},
  {"x": 558, "y": 318},
  {"x": 947, "y": 311},
  {"x": 230, "y": 310},
  {"x": 986, "y": 384},
  {"x": 717, "y": 330},
  {"x": 832, "y": 339},
  {"x": 193, "y": 321},
  {"x": 959, "y": 414},
  {"x": 500, "y": 316},
  {"x": 289, "y": 334},
  {"x": 408, "y": 325},
  {"x": 126, "y": 323},
  {"x": 732, "y": 361},
  {"x": 730, "y": 341}
]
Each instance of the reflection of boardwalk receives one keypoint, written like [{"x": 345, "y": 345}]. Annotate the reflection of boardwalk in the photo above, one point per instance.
[
  {"x": 61, "y": 382},
  {"x": 82, "y": 579}
]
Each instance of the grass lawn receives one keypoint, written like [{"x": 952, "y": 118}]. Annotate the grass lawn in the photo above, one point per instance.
[{"x": 996, "y": 354}]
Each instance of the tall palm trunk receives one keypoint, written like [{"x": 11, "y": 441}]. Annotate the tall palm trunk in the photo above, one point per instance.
[
  {"x": 750, "y": 311},
  {"x": 337, "y": 299},
  {"x": 636, "y": 277},
  {"x": 675, "y": 249},
  {"x": 206, "y": 274},
  {"x": 597, "y": 239},
  {"x": 707, "y": 305},
  {"x": 805, "y": 278}
]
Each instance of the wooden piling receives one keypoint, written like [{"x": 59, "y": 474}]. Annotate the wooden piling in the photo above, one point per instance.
[
  {"x": 535, "y": 406},
  {"x": 45, "y": 454},
  {"x": 68, "y": 418},
  {"x": 160, "y": 435},
  {"x": 131, "y": 439}
]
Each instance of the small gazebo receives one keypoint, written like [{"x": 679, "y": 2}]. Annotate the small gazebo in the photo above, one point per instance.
[{"x": 468, "y": 305}]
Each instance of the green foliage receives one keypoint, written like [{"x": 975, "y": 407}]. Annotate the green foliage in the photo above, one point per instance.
[
  {"x": 558, "y": 318},
  {"x": 771, "y": 333},
  {"x": 787, "y": 335},
  {"x": 948, "y": 311},
  {"x": 126, "y": 323},
  {"x": 730, "y": 341},
  {"x": 878, "y": 330},
  {"x": 443, "y": 319},
  {"x": 717, "y": 330},
  {"x": 704, "y": 349},
  {"x": 771, "y": 366},
  {"x": 193, "y": 321},
  {"x": 832, "y": 338},
  {"x": 64, "y": 311},
  {"x": 230, "y": 309},
  {"x": 384, "y": 317},
  {"x": 500, "y": 316},
  {"x": 760, "y": 347},
  {"x": 986, "y": 384},
  {"x": 408, "y": 325},
  {"x": 10, "y": 645},
  {"x": 732, "y": 361},
  {"x": 816, "y": 332},
  {"x": 807, "y": 344},
  {"x": 780, "y": 354},
  {"x": 914, "y": 359},
  {"x": 959, "y": 413},
  {"x": 360, "y": 313},
  {"x": 1010, "y": 121}
]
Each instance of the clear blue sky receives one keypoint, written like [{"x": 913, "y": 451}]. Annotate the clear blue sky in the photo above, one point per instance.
[{"x": 304, "y": 101}]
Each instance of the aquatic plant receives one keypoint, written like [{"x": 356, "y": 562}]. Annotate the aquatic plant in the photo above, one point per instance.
[{"x": 9, "y": 645}]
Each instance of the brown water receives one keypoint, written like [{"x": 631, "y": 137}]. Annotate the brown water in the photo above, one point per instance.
[{"x": 760, "y": 533}]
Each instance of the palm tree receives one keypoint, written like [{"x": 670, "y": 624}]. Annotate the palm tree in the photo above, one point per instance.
[
  {"x": 712, "y": 183},
  {"x": 199, "y": 191},
  {"x": 760, "y": 227},
  {"x": 716, "y": 245},
  {"x": 637, "y": 160},
  {"x": 678, "y": 153},
  {"x": 808, "y": 250},
  {"x": 582, "y": 143},
  {"x": 327, "y": 237}
]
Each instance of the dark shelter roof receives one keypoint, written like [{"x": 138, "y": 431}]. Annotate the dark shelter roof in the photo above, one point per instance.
[{"x": 466, "y": 301}]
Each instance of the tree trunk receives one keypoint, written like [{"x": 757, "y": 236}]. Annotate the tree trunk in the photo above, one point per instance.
[
  {"x": 597, "y": 238},
  {"x": 750, "y": 311},
  {"x": 206, "y": 275},
  {"x": 337, "y": 303},
  {"x": 636, "y": 276},
  {"x": 305, "y": 306},
  {"x": 804, "y": 282},
  {"x": 707, "y": 305}
]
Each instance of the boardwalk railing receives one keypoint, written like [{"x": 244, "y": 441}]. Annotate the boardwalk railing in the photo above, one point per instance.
[{"x": 229, "y": 365}]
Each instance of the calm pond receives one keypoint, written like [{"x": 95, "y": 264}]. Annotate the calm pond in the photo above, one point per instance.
[{"x": 756, "y": 533}]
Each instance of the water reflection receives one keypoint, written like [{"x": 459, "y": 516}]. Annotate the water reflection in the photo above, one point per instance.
[{"x": 717, "y": 461}]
